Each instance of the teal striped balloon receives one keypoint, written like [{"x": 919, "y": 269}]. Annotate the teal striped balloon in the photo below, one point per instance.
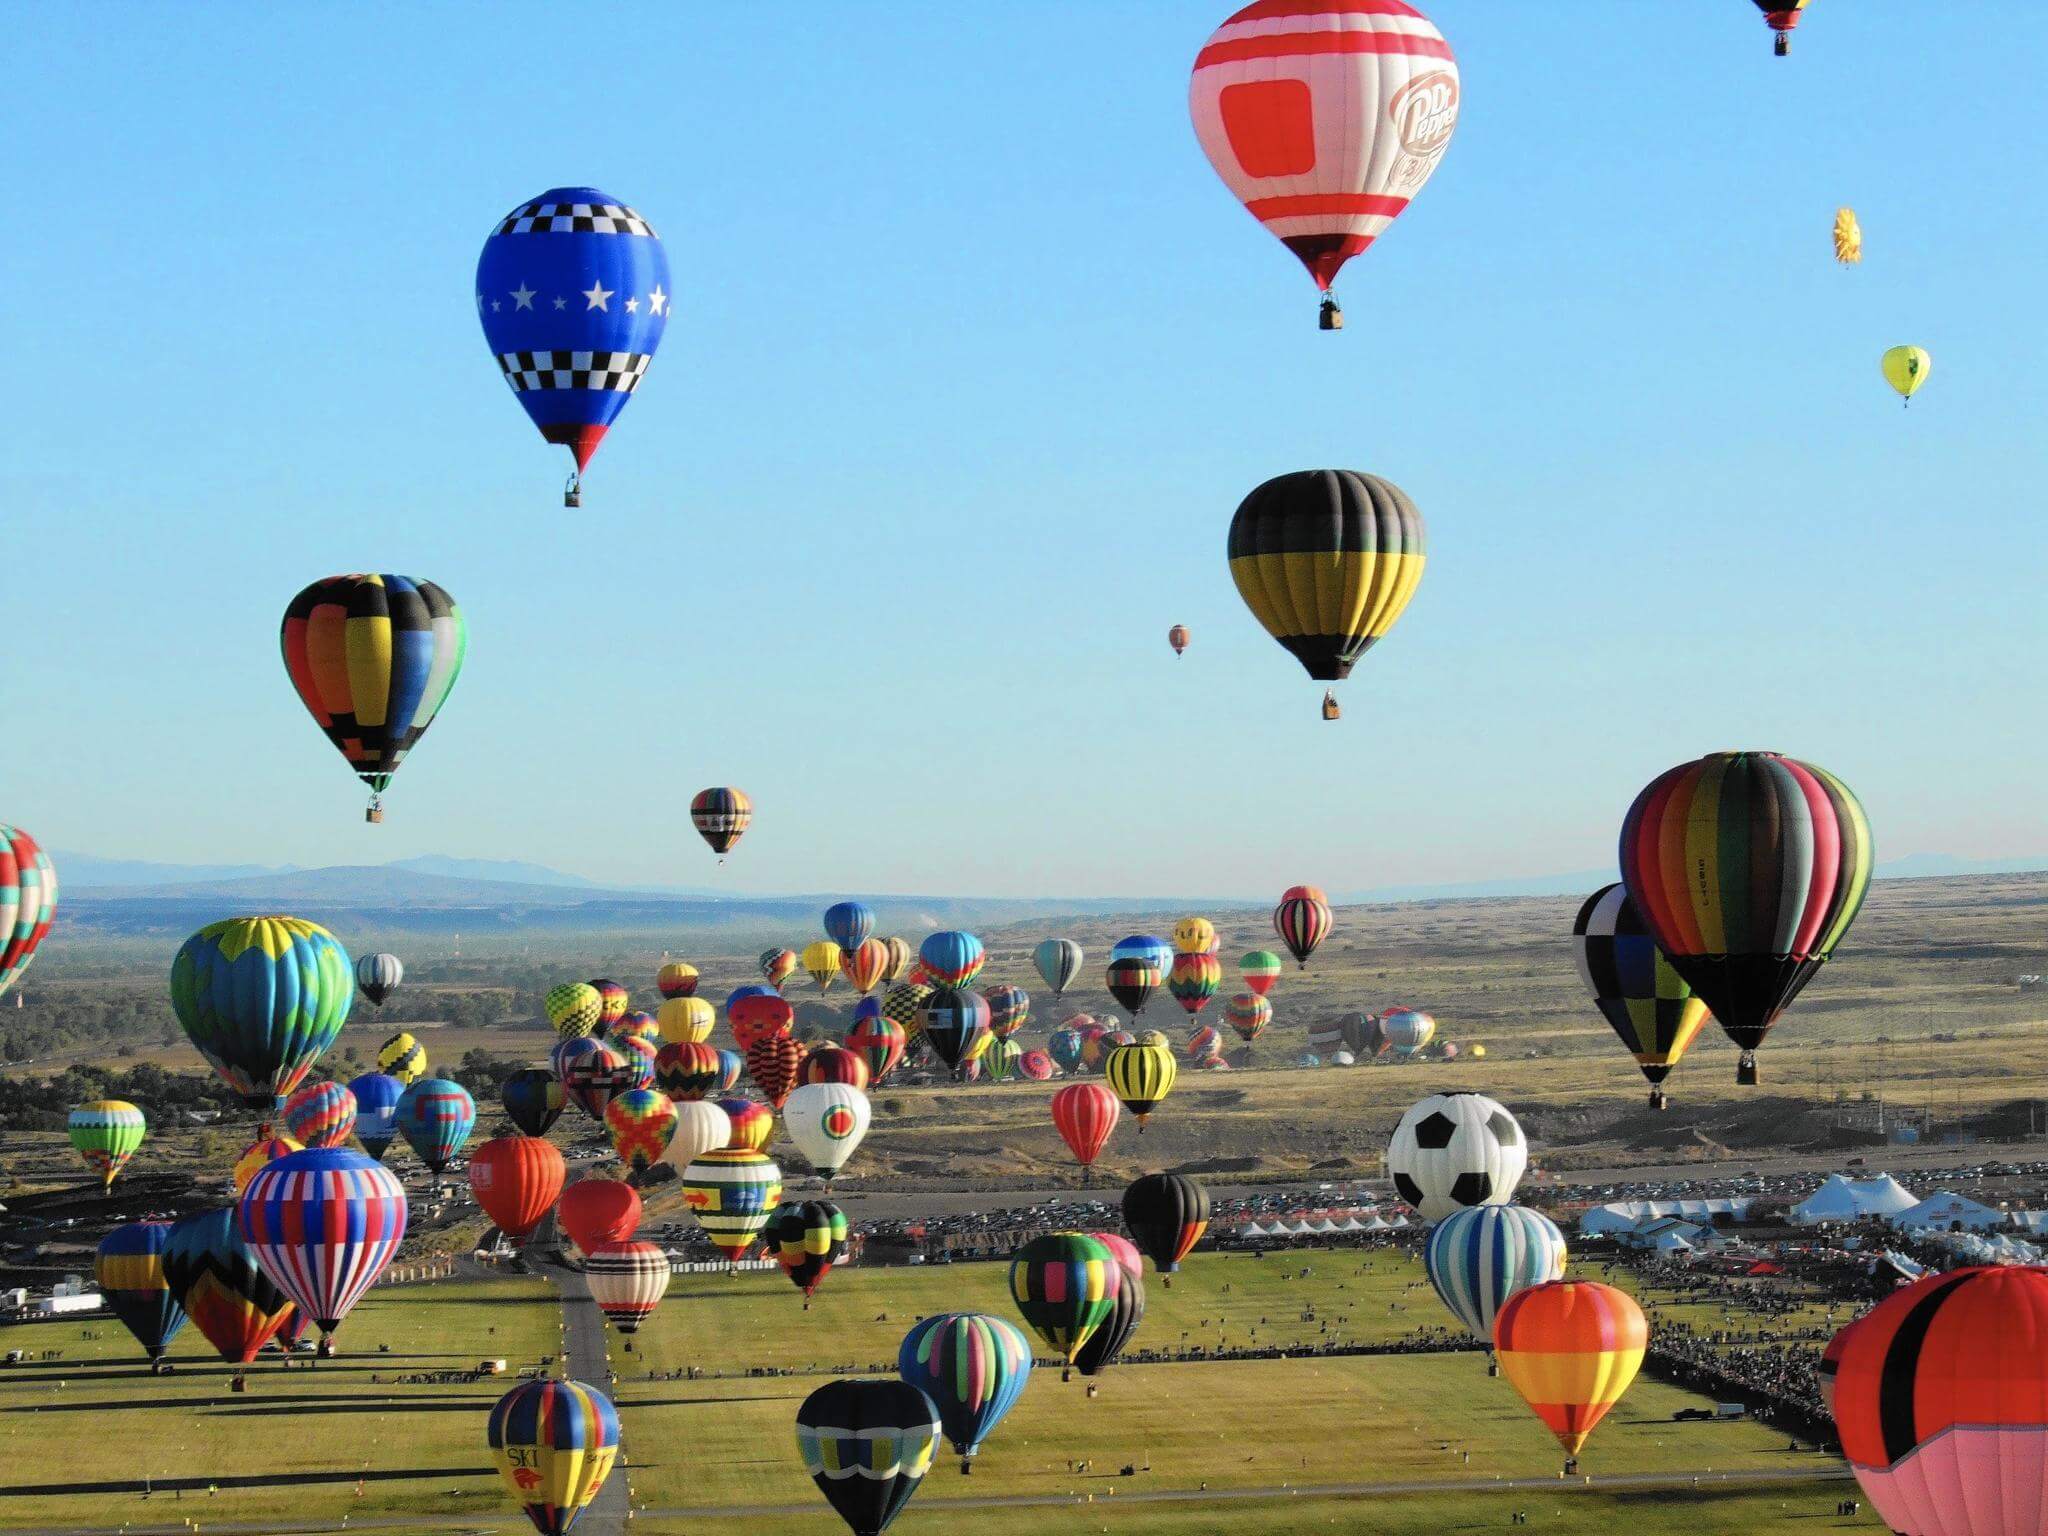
[
  {"x": 262, "y": 998},
  {"x": 1480, "y": 1256}
]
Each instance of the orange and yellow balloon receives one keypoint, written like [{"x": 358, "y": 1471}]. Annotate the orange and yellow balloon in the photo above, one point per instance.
[{"x": 1571, "y": 1348}]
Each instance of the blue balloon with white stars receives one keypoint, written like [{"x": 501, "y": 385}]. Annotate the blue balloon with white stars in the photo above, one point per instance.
[{"x": 573, "y": 292}]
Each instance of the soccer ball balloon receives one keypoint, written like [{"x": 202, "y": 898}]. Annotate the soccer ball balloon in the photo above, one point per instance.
[{"x": 1454, "y": 1150}]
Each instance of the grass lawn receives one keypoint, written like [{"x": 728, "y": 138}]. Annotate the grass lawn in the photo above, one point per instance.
[{"x": 79, "y": 1434}]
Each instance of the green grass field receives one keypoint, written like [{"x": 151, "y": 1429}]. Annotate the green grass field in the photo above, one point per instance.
[{"x": 1269, "y": 1432}]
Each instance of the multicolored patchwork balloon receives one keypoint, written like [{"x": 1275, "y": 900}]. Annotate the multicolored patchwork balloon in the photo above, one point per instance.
[
  {"x": 554, "y": 1442},
  {"x": 435, "y": 1116},
  {"x": 320, "y": 1115},
  {"x": 262, "y": 998},
  {"x": 129, "y": 1267},
  {"x": 28, "y": 900}
]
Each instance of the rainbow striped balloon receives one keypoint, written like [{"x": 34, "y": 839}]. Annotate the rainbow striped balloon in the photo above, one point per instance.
[{"x": 320, "y": 1115}]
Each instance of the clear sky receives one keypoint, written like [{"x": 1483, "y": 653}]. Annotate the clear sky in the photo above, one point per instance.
[{"x": 972, "y": 359}]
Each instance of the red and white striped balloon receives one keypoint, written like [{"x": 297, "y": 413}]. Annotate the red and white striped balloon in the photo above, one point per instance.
[{"x": 1325, "y": 117}]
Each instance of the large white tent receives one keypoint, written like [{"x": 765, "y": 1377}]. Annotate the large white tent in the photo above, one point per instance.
[
  {"x": 1946, "y": 1211},
  {"x": 1619, "y": 1216},
  {"x": 1844, "y": 1199}
]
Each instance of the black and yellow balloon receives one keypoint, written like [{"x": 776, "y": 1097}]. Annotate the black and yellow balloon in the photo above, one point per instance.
[
  {"x": 1327, "y": 560},
  {"x": 1141, "y": 1076}
]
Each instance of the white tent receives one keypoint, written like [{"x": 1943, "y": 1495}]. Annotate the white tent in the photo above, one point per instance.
[
  {"x": 1846, "y": 1199},
  {"x": 1351, "y": 1224},
  {"x": 1301, "y": 1229},
  {"x": 1251, "y": 1229},
  {"x": 1621, "y": 1216},
  {"x": 1944, "y": 1211},
  {"x": 1376, "y": 1223}
]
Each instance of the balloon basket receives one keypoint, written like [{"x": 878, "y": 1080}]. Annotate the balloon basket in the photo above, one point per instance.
[
  {"x": 1783, "y": 45},
  {"x": 1329, "y": 317},
  {"x": 374, "y": 815},
  {"x": 1331, "y": 711},
  {"x": 572, "y": 493},
  {"x": 1745, "y": 1070},
  {"x": 1658, "y": 1099}
]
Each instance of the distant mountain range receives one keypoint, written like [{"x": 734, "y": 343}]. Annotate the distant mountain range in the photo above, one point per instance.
[{"x": 440, "y": 894}]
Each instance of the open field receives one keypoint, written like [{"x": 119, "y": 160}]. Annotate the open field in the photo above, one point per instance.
[{"x": 1263, "y": 1435}]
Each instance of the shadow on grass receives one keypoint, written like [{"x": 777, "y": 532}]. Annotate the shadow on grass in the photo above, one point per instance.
[{"x": 163, "y": 1485}]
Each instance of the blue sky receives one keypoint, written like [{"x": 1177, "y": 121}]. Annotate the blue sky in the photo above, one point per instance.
[{"x": 972, "y": 358}]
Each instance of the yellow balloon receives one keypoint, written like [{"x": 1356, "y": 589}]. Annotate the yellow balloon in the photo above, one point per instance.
[
  {"x": 822, "y": 960},
  {"x": 686, "y": 1019},
  {"x": 1906, "y": 369},
  {"x": 1848, "y": 237}
]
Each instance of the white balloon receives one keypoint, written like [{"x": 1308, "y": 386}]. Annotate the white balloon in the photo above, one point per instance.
[
  {"x": 827, "y": 1121},
  {"x": 1453, "y": 1150},
  {"x": 700, "y": 1126}
]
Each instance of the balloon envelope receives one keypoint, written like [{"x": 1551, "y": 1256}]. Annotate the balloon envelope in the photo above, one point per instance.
[
  {"x": 972, "y": 1366},
  {"x": 867, "y": 1445},
  {"x": 129, "y": 1268},
  {"x": 28, "y": 901},
  {"x": 262, "y": 998},
  {"x": 517, "y": 1180},
  {"x": 554, "y": 1443},
  {"x": 828, "y": 1122},
  {"x": 323, "y": 1224},
  {"x": 435, "y": 1116}
]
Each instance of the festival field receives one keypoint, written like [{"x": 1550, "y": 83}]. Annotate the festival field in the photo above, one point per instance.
[{"x": 1269, "y": 1433}]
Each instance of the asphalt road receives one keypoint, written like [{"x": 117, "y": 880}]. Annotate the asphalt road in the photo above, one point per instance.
[{"x": 586, "y": 1357}]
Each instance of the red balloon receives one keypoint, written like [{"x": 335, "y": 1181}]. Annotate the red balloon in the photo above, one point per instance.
[
  {"x": 760, "y": 1018},
  {"x": 597, "y": 1211},
  {"x": 516, "y": 1179},
  {"x": 1085, "y": 1114},
  {"x": 772, "y": 1063},
  {"x": 834, "y": 1064}
]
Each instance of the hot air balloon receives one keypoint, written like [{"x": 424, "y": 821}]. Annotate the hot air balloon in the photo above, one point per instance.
[
  {"x": 900, "y": 957},
  {"x": 1260, "y": 968},
  {"x": 772, "y": 1063},
  {"x": 638, "y": 1052},
  {"x": 1303, "y": 920},
  {"x": 686, "y": 1020},
  {"x": 1194, "y": 936},
  {"x": 1406, "y": 1031},
  {"x": 953, "y": 958},
  {"x": 1938, "y": 1398},
  {"x": 402, "y": 1058},
  {"x": 1131, "y": 981},
  {"x": 1037, "y": 1066},
  {"x": 864, "y": 964},
  {"x": 1906, "y": 369},
  {"x": 1100, "y": 1349},
  {"x": 376, "y": 1095},
  {"x": 320, "y": 1115},
  {"x": 554, "y": 1442},
  {"x": 613, "y": 1000},
  {"x": 1009, "y": 1009},
  {"x": 266, "y": 1148},
  {"x": 720, "y": 816},
  {"x": 323, "y": 1224},
  {"x": 849, "y": 924},
  {"x": 828, "y": 1122},
  {"x": 517, "y": 1180},
  {"x": 822, "y": 962},
  {"x": 1002, "y": 1059},
  {"x": 1324, "y": 120},
  {"x": 904, "y": 1005},
  {"x": 807, "y": 1240},
  {"x": 573, "y": 292},
  {"x": 732, "y": 1193},
  {"x": 1167, "y": 1213},
  {"x": 1202, "y": 1043},
  {"x": 435, "y": 1116},
  {"x": 378, "y": 976},
  {"x": 1097, "y": 1042},
  {"x": 373, "y": 659},
  {"x": 1248, "y": 1014},
  {"x": 763, "y": 1015},
  {"x": 867, "y": 1445},
  {"x": 834, "y": 1064},
  {"x": 1059, "y": 962},
  {"x": 1141, "y": 1076},
  {"x": 880, "y": 1042},
  {"x": 627, "y": 1281},
  {"x": 216, "y": 1279},
  {"x": 752, "y": 1124},
  {"x": 1480, "y": 1256},
  {"x": 574, "y": 1008},
  {"x": 973, "y": 1367},
  {"x": 1064, "y": 1047},
  {"x": 106, "y": 1133},
  {"x": 262, "y": 998},
  {"x": 1194, "y": 979},
  {"x": 1143, "y": 946},
  {"x": 1065, "y": 1285},
  {"x": 1571, "y": 1347},
  {"x": 1452, "y": 1150},
  {"x": 686, "y": 1069},
  {"x": 1747, "y": 868},
  {"x": 1848, "y": 237},
  {"x": 701, "y": 1126},
  {"x": 596, "y": 1211},
  {"x": 956, "y": 1024},
  {"x": 28, "y": 900},
  {"x": 641, "y": 1121},
  {"x": 129, "y": 1268},
  {"x": 1366, "y": 1034},
  {"x": 1781, "y": 16},
  {"x": 731, "y": 1064},
  {"x": 677, "y": 978},
  {"x": 1085, "y": 1114},
  {"x": 1646, "y": 1002},
  {"x": 1177, "y": 637},
  {"x": 592, "y": 1073},
  {"x": 534, "y": 1099}
]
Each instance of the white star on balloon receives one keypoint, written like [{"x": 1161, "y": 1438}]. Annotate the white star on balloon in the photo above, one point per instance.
[
  {"x": 495, "y": 306},
  {"x": 632, "y": 306},
  {"x": 597, "y": 293},
  {"x": 657, "y": 301},
  {"x": 522, "y": 296},
  {"x": 561, "y": 303}
]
